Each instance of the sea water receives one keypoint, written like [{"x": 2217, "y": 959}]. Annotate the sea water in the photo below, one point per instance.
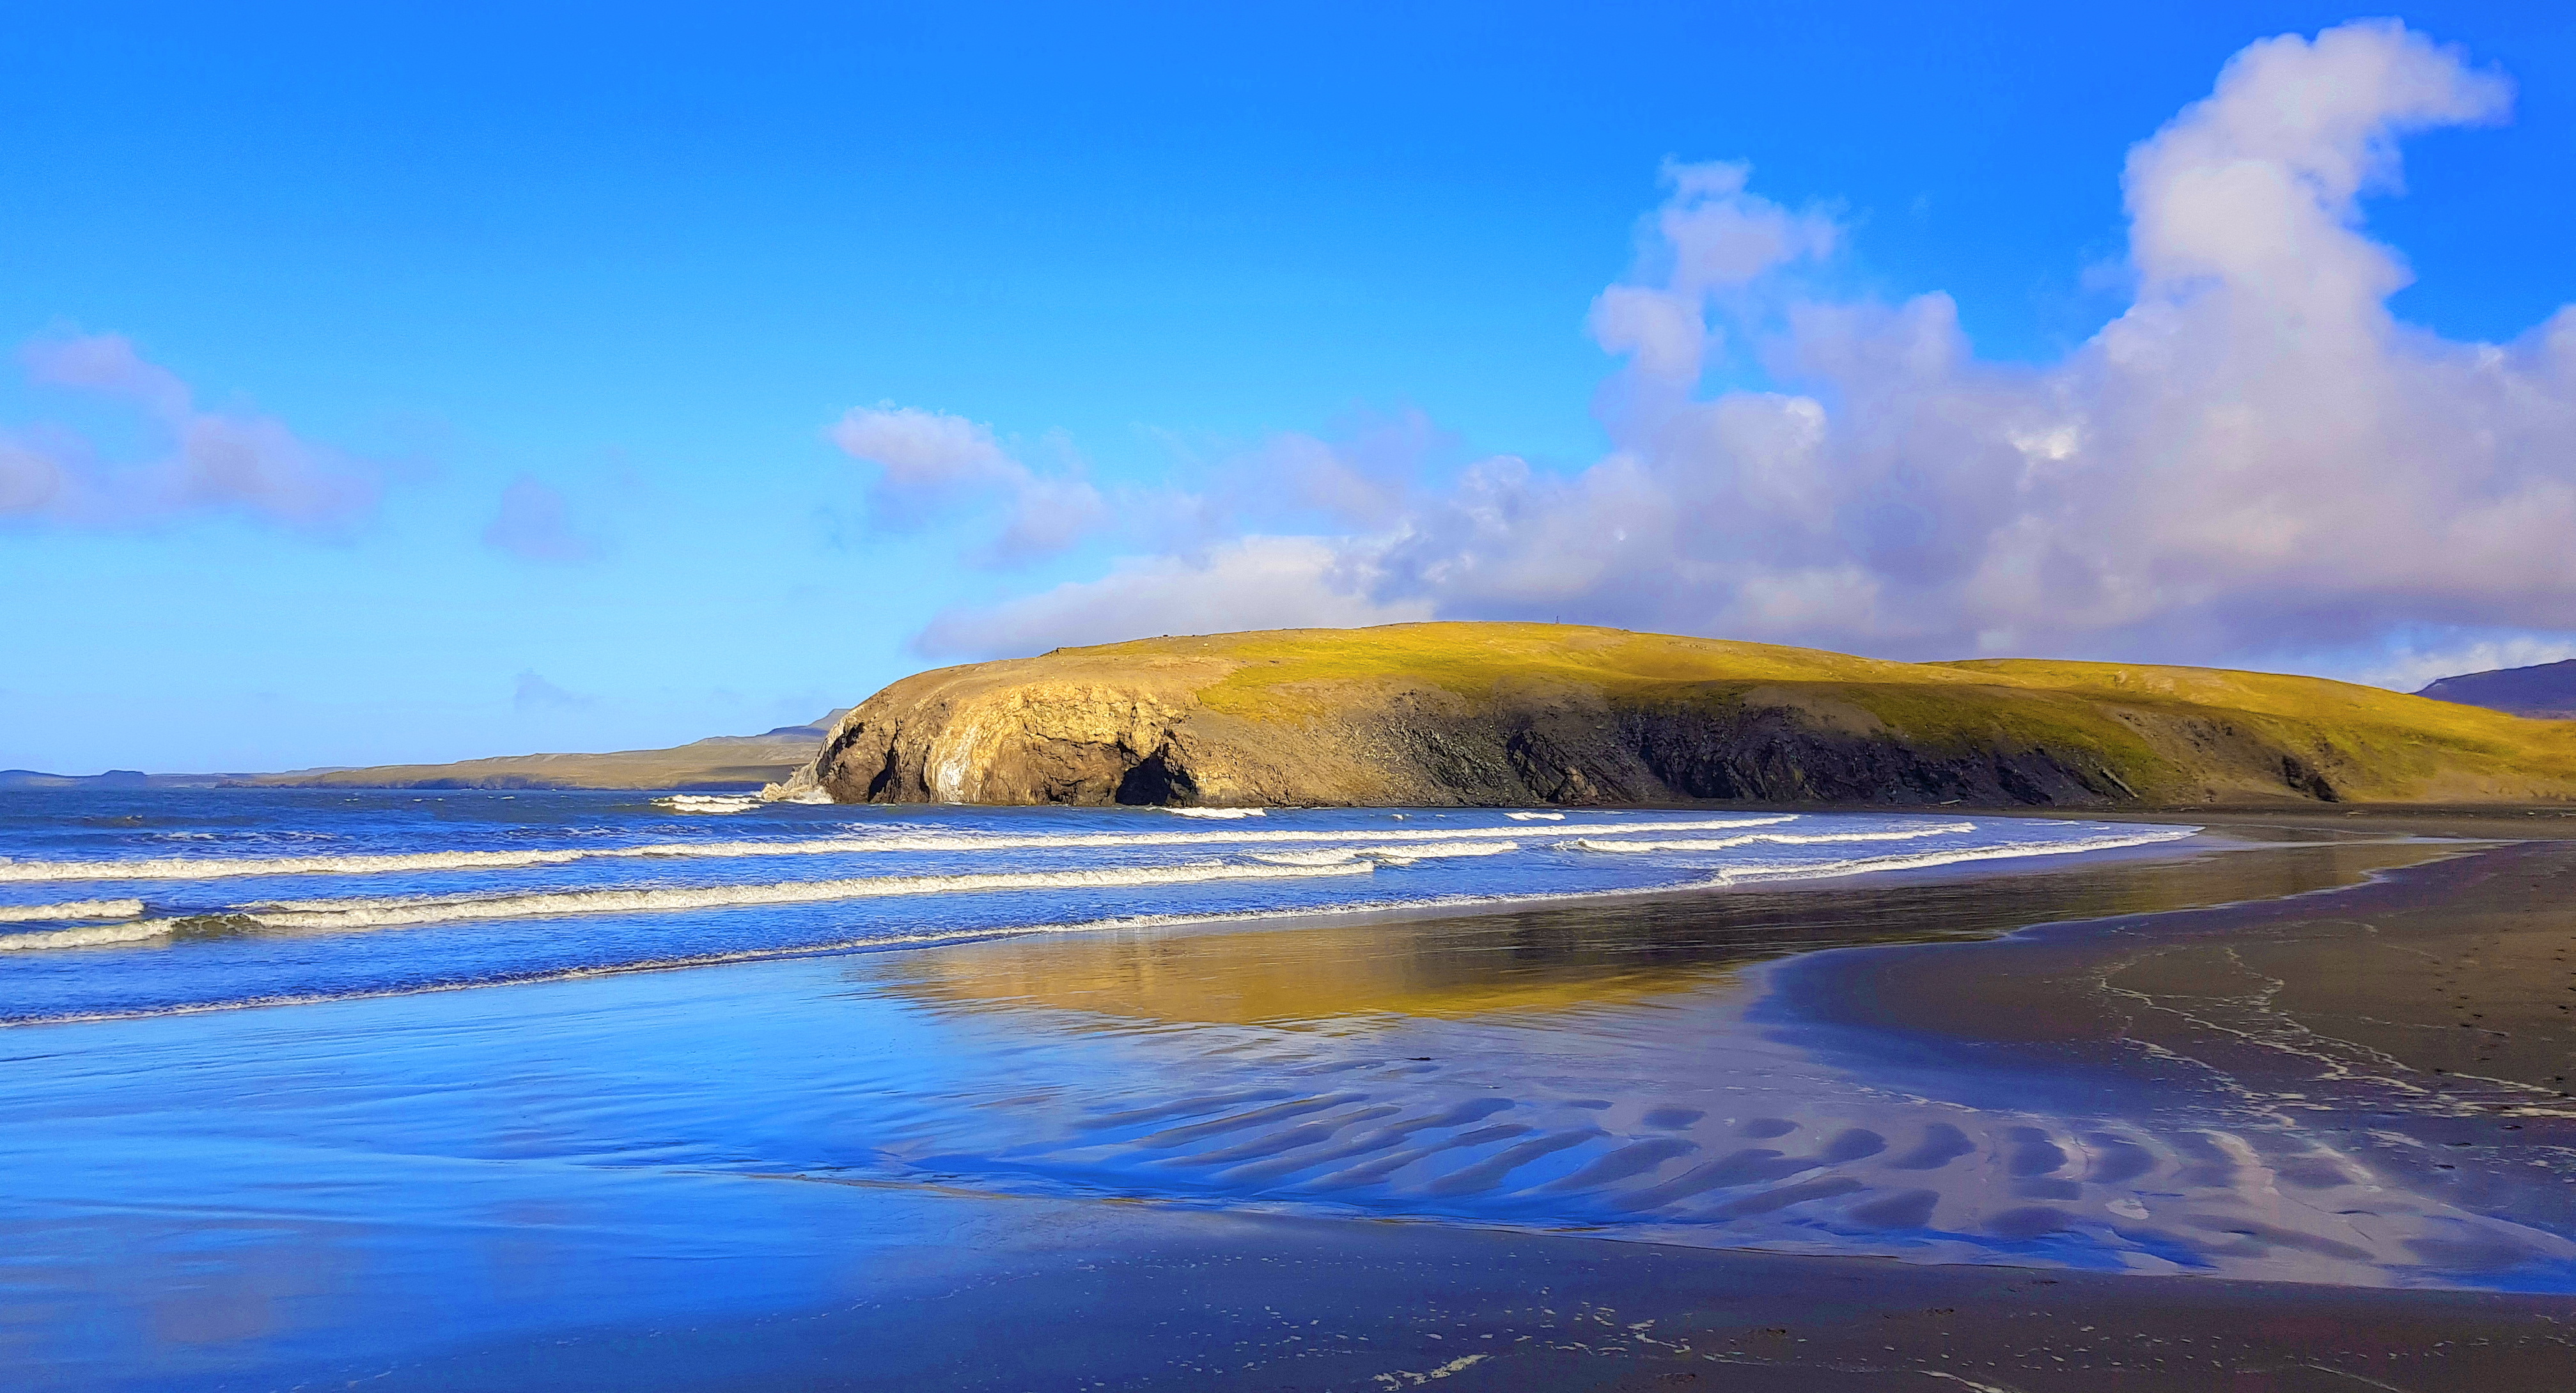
[{"x": 122, "y": 904}]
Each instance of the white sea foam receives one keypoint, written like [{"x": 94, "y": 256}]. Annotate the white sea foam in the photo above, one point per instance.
[
  {"x": 1780, "y": 838},
  {"x": 216, "y": 867},
  {"x": 709, "y": 802},
  {"x": 1536, "y": 817},
  {"x": 70, "y": 909},
  {"x": 409, "y": 911},
  {"x": 1223, "y": 814},
  {"x": 87, "y": 936},
  {"x": 1384, "y": 855}
]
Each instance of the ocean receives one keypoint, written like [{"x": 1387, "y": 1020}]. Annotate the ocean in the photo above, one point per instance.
[{"x": 126, "y": 904}]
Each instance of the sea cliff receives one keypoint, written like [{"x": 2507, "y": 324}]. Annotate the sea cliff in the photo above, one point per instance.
[{"x": 1515, "y": 714}]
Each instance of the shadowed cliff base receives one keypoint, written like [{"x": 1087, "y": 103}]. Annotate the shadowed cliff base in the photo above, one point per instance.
[{"x": 1517, "y": 714}]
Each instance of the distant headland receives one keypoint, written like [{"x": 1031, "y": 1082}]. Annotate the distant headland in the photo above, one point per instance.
[{"x": 1446, "y": 714}]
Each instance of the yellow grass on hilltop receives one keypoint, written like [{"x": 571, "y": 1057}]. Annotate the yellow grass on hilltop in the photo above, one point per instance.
[{"x": 1391, "y": 708}]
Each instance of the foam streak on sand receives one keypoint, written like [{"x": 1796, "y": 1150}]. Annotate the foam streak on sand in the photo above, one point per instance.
[
  {"x": 408, "y": 912},
  {"x": 1925, "y": 860},
  {"x": 1778, "y": 838},
  {"x": 217, "y": 867}
]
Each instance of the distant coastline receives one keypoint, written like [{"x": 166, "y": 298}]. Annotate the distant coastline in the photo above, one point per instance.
[{"x": 718, "y": 764}]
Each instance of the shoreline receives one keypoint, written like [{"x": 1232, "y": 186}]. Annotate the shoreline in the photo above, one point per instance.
[{"x": 709, "y": 1268}]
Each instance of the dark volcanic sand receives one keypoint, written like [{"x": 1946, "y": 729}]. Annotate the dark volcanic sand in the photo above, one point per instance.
[{"x": 2337, "y": 1004}]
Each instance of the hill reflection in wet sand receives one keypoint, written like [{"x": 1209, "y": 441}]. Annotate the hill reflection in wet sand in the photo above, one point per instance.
[
  {"x": 1596, "y": 1067},
  {"x": 1587, "y": 957}
]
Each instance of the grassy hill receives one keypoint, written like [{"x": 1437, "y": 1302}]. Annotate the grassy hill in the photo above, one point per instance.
[{"x": 1520, "y": 713}]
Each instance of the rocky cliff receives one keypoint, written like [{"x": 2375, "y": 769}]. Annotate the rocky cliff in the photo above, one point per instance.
[{"x": 1513, "y": 714}]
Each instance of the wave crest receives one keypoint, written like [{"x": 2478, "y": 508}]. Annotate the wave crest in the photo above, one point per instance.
[
  {"x": 216, "y": 867},
  {"x": 70, "y": 909},
  {"x": 413, "y": 911}
]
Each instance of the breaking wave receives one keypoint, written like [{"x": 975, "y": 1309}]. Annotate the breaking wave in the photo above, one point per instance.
[
  {"x": 1223, "y": 814},
  {"x": 89, "y": 936},
  {"x": 418, "y": 910},
  {"x": 216, "y": 867},
  {"x": 70, "y": 909},
  {"x": 1536, "y": 817},
  {"x": 1384, "y": 855},
  {"x": 1777, "y": 838},
  {"x": 709, "y": 802}
]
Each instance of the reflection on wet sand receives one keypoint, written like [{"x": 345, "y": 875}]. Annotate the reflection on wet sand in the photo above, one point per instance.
[
  {"x": 1601, "y": 1065},
  {"x": 1592, "y": 956}
]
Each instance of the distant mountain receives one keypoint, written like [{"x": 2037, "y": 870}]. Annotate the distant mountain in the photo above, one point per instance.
[
  {"x": 716, "y": 763},
  {"x": 2547, "y": 691}
]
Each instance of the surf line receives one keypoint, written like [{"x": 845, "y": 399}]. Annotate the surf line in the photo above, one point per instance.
[
  {"x": 405, "y": 913},
  {"x": 217, "y": 867}
]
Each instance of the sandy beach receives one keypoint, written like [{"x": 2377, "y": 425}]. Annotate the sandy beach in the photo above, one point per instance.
[{"x": 1688, "y": 1138}]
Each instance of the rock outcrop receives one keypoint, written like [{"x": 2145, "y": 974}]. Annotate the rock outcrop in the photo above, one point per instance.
[{"x": 1518, "y": 714}]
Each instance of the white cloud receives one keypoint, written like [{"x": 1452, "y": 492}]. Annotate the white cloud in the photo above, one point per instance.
[
  {"x": 213, "y": 460},
  {"x": 2256, "y": 460},
  {"x": 2412, "y": 668},
  {"x": 1249, "y": 583},
  {"x": 1712, "y": 240},
  {"x": 924, "y": 451},
  {"x": 932, "y": 464}
]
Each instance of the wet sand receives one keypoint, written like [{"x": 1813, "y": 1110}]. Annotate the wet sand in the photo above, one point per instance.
[
  {"x": 434, "y": 1193},
  {"x": 1049, "y": 1295}
]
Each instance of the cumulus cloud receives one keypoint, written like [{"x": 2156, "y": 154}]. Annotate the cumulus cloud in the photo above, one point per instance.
[
  {"x": 932, "y": 464},
  {"x": 209, "y": 460},
  {"x": 1713, "y": 241},
  {"x": 2255, "y": 460},
  {"x": 535, "y": 524}
]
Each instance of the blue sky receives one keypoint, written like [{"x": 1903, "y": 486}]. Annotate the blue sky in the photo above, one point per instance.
[{"x": 543, "y": 336}]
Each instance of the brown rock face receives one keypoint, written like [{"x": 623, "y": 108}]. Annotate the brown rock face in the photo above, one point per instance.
[{"x": 1504, "y": 715}]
